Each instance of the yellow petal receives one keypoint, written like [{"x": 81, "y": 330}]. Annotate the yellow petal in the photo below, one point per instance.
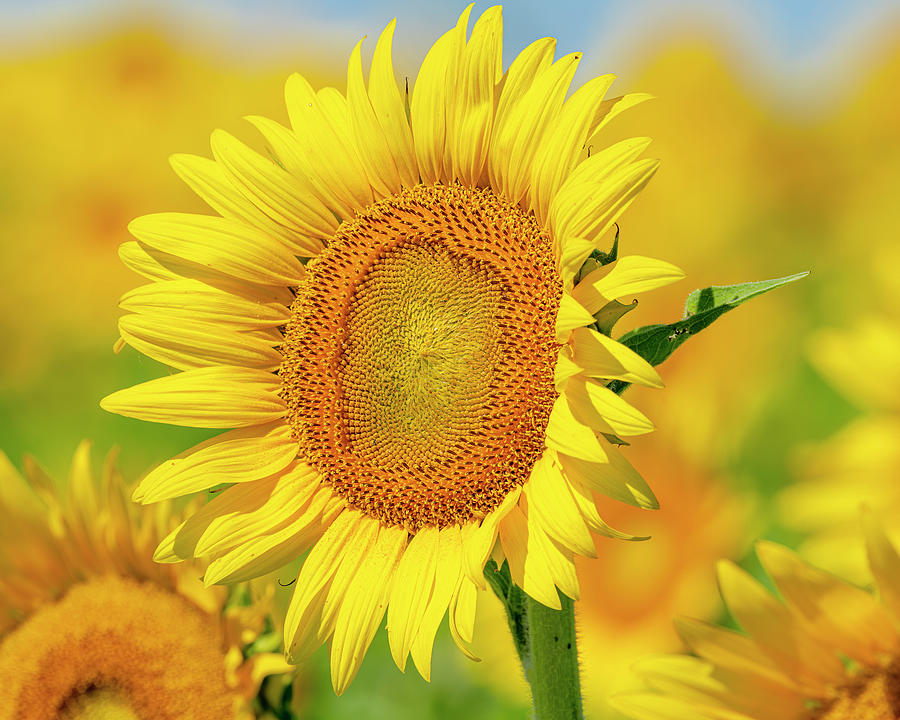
[
  {"x": 210, "y": 181},
  {"x": 480, "y": 69},
  {"x": 199, "y": 301},
  {"x": 358, "y": 546},
  {"x": 729, "y": 649},
  {"x": 778, "y": 632},
  {"x": 571, "y": 315},
  {"x": 448, "y": 571},
  {"x": 532, "y": 62},
  {"x": 567, "y": 435},
  {"x": 161, "y": 266},
  {"x": 600, "y": 356},
  {"x": 551, "y": 505},
  {"x": 272, "y": 550},
  {"x": 283, "y": 197},
  {"x": 644, "y": 706},
  {"x": 547, "y": 557},
  {"x": 332, "y": 163},
  {"x": 843, "y": 617},
  {"x": 516, "y": 142},
  {"x": 514, "y": 540},
  {"x": 389, "y": 108},
  {"x": 587, "y": 209},
  {"x": 186, "y": 344},
  {"x": 611, "y": 108},
  {"x": 430, "y": 116},
  {"x": 214, "y": 397},
  {"x": 478, "y": 541},
  {"x": 301, "y": 621},
  {"x": 276, "y": 501},
  {"x": 559, "y": 152},
  {"x": 584, "y": 499},
  {"x": 15, "y": 494},
  {"x": 412, "y": 588},
  {"x": 222, "y": 245},
  {"x": 364, "y": 606},
  {"x": 370, "y": 138},
  {"x": 884, "y": 562},
  {"x": 628, "y": 275},
  {"x": 241, "y": 455},
  {"x": 595, "y": 405},
  {"x": 462, "y": 614},
  {"x": 294, "y": 154},
  {"x": 616, "y": 478}
]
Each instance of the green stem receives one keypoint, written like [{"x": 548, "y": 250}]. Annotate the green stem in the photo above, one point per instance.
[{"x": 545, "y": 641}]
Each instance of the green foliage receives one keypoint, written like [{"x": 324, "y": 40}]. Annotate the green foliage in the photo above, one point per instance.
[{"x": 655, "y": 343}]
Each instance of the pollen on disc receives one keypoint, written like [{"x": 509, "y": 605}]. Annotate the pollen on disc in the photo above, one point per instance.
[{"x": 418, "y": 362}]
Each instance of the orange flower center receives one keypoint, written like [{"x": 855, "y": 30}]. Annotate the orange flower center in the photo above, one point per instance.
[
  {"x": 418, "y": 363},
  {"x": 875, "y": 695},
  {"x": 118, "y": 649}
]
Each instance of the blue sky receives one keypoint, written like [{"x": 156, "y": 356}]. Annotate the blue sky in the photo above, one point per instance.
[{"x": 800, "y": 44}]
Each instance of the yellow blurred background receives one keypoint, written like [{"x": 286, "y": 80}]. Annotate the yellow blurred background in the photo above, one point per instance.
[{"x": 767, "y": 170}]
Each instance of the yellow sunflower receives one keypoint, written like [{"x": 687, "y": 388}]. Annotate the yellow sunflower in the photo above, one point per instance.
[
  {"x": 828, "y": 650},
  {"x": 91, "y": 626},
  {"x": 427, "y": 381}
]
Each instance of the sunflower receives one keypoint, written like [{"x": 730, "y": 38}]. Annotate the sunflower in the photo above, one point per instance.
[
  {"x": 386, "y": 313},
  {"x": 829, "y": 651},
  {"x": 91, "y": 627}
]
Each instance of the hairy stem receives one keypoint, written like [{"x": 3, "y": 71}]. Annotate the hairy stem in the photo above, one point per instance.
[{"x": 545, "y": 641}]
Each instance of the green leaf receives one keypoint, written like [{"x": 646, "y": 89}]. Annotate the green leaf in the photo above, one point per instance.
[{"x": 655, "y": 343}]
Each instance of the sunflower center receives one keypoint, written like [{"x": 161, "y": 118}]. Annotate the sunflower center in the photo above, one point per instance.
[
  {"x": 98, "y": 704},
  {"x": 873, "y": 696},
  {"x": 118, "y": 649},
  {"x": 418, "y": 362}
]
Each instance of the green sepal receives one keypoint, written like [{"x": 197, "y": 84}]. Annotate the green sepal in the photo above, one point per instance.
[
  {"x": 615, "y": 439},
  {"x": 598, "y": 258},
  {"x": 607, "y": 316}
]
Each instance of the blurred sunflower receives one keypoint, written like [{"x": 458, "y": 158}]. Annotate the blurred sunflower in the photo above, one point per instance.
[
  {"x": 830, "y": 651},
  {"x": 859, "y": 354},
  {"x": 852, "y": 466},
  {"x": 91, "y": 627},
  {"x": 427, "y": 381}
]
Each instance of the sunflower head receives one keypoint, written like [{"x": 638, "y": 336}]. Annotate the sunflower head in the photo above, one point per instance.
[
  {"x": 829, "y": 651},
  {"x": 394, "y": 317},
  {"x": 91, "y": 626}
]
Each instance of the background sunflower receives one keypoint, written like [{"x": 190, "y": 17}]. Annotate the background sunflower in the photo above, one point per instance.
[{"x": 778, "y": 143}]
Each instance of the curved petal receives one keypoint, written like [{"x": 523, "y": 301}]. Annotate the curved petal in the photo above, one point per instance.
[
  {"x": 210, "y": 181},
  {"x": 282, "y": 196},
  {"x": 214, "y": 397},
  {"x": 551, "y": 505},
  {"x": 481, "y": 67},
  {"x": 558, "y": 154},
  {"x": 628, "y": 275},
  {"x": 220, "y": 244},
  {"x": 364, "y": 605},
  {"x": 337, "y": 167},
  {"x": 600, "y": 356},
  {"x": 390, "y": 110},
  {"x": 567, "y": 435},
  {"x": 370, "y": 138},
  {"x": 241, "y": 455},
  {"x": 409, "y": 597},
  {"x": 598, "y": 407},
  {"x": 186, "y": 344},
  {"x": 448, "y": 570},
  {"x": 430, "y": 107},
  {"x": 187, "y": 298}
]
